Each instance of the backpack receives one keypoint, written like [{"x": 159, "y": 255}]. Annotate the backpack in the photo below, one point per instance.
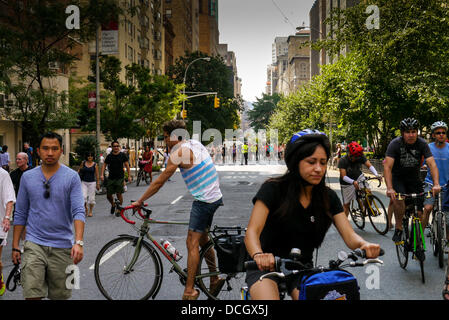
[
  {"x": 231, "y": 253},
  {"x": 336, "y": 284}
]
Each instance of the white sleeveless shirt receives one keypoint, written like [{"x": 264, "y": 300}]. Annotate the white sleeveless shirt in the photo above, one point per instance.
[{"x": 201, "y": 179}]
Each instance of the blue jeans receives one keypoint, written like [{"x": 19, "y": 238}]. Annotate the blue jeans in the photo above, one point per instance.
[{"x": 202, "y": 215}]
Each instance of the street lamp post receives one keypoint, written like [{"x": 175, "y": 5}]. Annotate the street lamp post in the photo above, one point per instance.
[{"x": 184, "y": 80}]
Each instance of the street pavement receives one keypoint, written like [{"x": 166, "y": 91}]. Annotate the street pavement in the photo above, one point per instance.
[{"x": 239, "y": 184}]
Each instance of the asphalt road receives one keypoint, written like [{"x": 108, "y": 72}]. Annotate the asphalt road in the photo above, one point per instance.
[{"x": 239, "y": 184}]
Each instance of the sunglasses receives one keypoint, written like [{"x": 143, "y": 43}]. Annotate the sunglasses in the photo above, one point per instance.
[
  {"x": 440, "y": 132},
  {"x": 47, "y": 190}
]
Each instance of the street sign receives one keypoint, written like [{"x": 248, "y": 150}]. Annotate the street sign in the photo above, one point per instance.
[{"x": 92, "y": 98}]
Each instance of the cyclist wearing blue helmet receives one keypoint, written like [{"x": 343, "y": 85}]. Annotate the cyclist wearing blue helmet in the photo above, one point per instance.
[{"x": 295, "y": 210}]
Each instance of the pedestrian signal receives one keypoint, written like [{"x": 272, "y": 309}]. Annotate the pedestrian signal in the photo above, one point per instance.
[{"x": 216, "y": 102}]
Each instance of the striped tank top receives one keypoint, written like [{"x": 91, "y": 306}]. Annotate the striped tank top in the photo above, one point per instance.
[{"x": 201, "y": 179}]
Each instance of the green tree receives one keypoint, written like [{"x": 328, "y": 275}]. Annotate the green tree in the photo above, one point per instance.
[
  {"x": 263, "y": 108},
  {"x": 36, "y": 44},
  {"x": 402, "y": 68},
  {"x": 156, "y": 99},
  {"x": 212, "y": 76}
]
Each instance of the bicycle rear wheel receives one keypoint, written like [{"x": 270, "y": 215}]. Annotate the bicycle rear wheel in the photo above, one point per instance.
[
  {"x": 140, "y": 283},
  {"x": 208, "y": 270},
  {"x": 402, "y": 247},
  {"x": 377, "y": 215},
  {"x": 357, "y": 213}
]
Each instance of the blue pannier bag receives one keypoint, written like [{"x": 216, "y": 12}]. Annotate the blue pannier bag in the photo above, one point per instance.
[{"x": 329, "y": 285}]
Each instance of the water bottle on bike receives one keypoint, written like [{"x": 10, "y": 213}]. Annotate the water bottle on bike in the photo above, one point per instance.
[{"x": 171, "y": 249}]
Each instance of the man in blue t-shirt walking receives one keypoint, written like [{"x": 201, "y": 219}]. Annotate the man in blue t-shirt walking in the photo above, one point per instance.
[
  {"x": 440, "y": 152},
  {"x": 50, "y": 204}
]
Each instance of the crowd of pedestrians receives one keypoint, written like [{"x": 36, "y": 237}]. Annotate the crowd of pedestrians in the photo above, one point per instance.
[{"x": 242, "y": 153}]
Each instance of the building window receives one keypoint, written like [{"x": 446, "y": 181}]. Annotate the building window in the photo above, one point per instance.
[
  {"x": 130, "y": 54},
  {"x": 168, "y": 13}
]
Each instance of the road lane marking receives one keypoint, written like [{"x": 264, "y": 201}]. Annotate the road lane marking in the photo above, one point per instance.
[
  {"x": 110, "y": 254},
  {"x": 176, "y": 200}
]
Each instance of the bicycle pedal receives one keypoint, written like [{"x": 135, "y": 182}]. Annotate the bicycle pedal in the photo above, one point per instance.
[{"x": 399, "y": 243}]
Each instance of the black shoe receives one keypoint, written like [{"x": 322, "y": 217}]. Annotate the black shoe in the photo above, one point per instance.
[
  {"x": 112, "y": 209},
  {"x": 397, "y": 237}
]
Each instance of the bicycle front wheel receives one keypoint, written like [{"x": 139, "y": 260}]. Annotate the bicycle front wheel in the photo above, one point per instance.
[
  {"x": 139, "y": 177},
  {"x": 357, "y": 214},
  {"x": 402, "y": 248},
  {"x": 419, "y": 248},
  {"x": 114, "y": 279},
  {"x": 377, "y": 215},
  {"x": 440, "y": 239},
  {"x": 230, "y": 283}
]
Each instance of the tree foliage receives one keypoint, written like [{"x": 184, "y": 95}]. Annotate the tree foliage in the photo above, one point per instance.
[
  {"x": 212, "y": 76},
  {"x": 399, "y": 70},
  {"x": 134, "y": 109},
  {"x": 35, "y": 45},
  {"x": 263, "y": 108}
]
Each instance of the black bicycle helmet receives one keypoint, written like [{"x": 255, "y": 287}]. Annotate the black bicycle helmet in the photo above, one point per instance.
[
  {"x": 302, "y": 137},
  {"x": 409, "y": 124}
]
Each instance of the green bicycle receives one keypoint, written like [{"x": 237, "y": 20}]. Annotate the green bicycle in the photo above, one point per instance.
[
  {"x": 130, "y": 268},
  {"x": 412, "y": 239}
]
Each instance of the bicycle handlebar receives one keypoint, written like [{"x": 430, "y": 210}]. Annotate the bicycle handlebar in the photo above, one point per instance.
[
  {"x": 374, "y": 178},
  {"x": 402, "y": 196},
  {"x": 284, "y": 267},
  {"x": 135, "y": 209}
]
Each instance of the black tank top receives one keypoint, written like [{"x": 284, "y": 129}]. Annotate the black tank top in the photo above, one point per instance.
[{"x": 87, "y": 174}]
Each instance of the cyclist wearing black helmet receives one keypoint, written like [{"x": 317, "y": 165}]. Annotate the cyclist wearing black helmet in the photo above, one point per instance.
[
  {"x": 402, "y": 167},
  {"x": 295, "y": 210}
]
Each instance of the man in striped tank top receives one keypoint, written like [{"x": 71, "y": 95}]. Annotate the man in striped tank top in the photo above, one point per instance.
[{"x": 201, "y": 178}]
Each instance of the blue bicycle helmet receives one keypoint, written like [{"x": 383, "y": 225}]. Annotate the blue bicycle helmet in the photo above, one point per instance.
[{"x": 300, "y": 138}]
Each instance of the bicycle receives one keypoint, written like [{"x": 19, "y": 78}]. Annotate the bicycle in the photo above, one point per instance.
[
  {"x": 438, "y": 231},
  {"x": 285, "y": 268},
  {"x": 142, "y": 174},
  {"x": 128, "y": 267},
  {"x": 413, "y": 240},
  {"x": 367, "y": 204}
]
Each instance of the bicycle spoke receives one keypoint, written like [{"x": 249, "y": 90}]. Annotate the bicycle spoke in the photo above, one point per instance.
[
  {"x": 114, "y": 283},
  {"x": 377, "y": 215},
  {"x": 209, "y": 270}
]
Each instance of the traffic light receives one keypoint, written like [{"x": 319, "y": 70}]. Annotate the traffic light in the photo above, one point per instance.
[
  {"x": 216, "y": 102},
  {"x": 184, "y": 113}
]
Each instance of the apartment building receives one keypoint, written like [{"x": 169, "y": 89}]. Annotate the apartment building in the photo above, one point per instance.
[
  {"x": 180, "y": 13},
  {"x": 291, "y": 63},
  {"x": 230, "y": 61},
  {"x": 11, "y": 118},
  {"x": 140, "y": 39},
  {"x": 319, "y": 12},
  {"x": 208, "y": 26}
]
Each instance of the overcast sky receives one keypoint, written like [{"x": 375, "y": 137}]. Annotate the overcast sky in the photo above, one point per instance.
[{"x": 249, "y": 28}]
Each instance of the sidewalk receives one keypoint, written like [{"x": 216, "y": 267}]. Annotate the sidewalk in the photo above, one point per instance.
[{"x": 333, "y": 182}]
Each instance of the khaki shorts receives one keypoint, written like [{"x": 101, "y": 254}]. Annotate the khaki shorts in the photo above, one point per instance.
[
  {"x": 115, "y": 186},
  {"x": 43, "y": 272}
]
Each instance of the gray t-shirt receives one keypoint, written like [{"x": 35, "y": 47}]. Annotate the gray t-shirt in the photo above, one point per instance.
[{"x": 408, "y": 158}]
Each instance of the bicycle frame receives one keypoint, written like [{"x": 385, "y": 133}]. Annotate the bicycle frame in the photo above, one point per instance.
[
  {"x": 144, "y": 232},
  {"x": 414, "y": 217}
]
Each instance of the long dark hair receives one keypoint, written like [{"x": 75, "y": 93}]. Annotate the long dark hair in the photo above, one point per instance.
[{"x": 292, "y": 185}]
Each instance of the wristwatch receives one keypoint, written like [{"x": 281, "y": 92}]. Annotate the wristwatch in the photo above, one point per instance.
[{"x": 80, "y": 242}]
